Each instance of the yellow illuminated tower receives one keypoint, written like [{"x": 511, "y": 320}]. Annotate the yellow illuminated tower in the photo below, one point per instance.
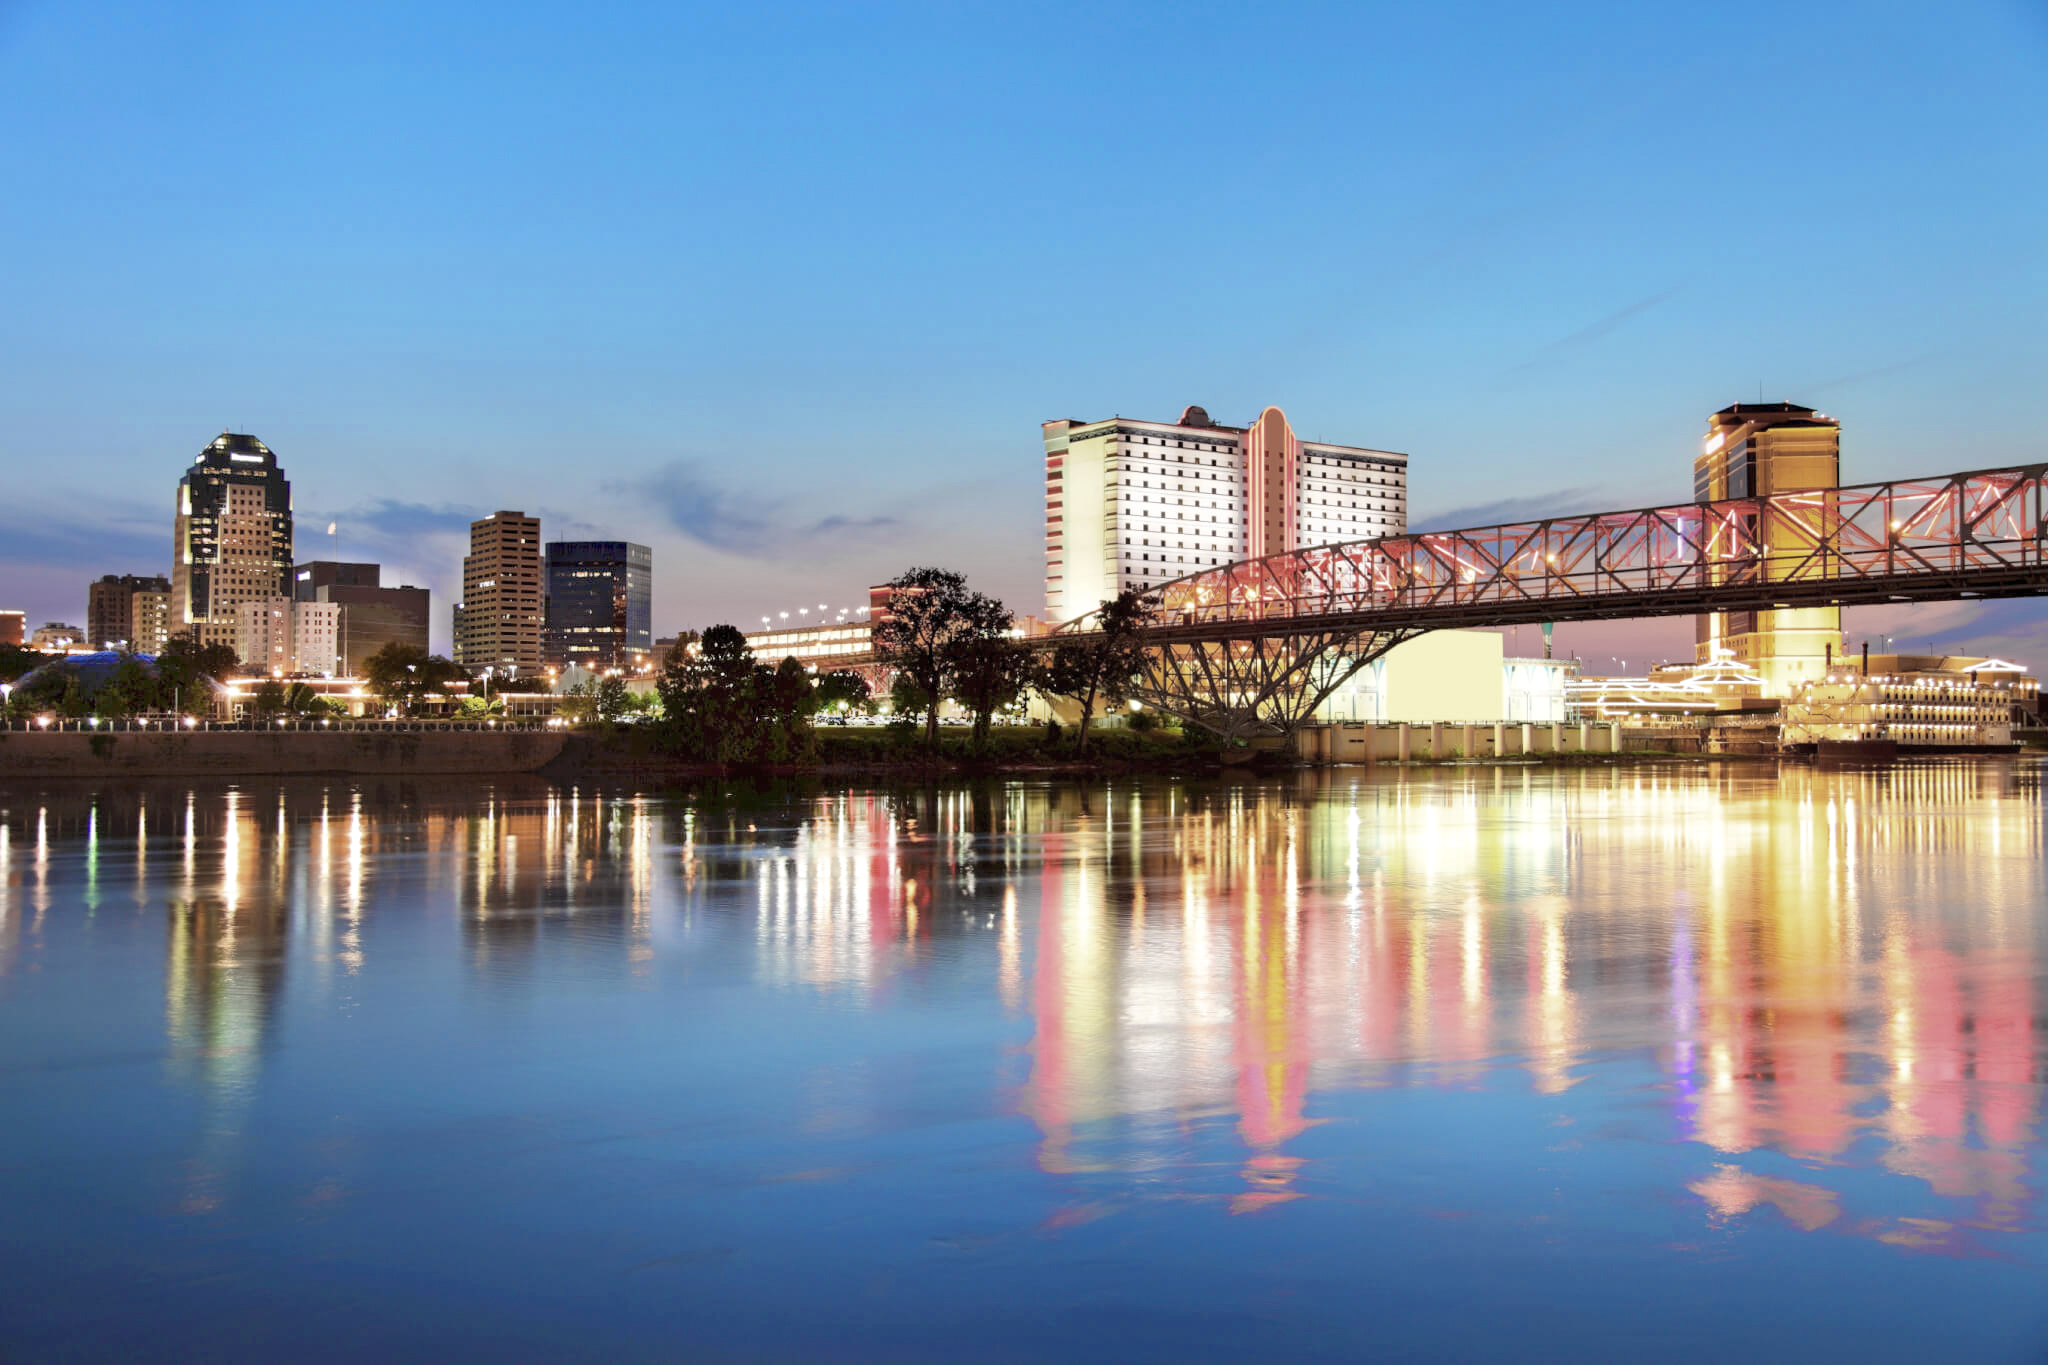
[{"x": 1756, "y": 450}]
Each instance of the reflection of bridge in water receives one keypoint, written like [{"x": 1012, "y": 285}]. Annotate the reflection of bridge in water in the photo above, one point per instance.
[{"x": 1256, "y": 646}]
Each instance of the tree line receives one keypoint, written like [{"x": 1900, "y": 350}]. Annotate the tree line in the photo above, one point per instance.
[{"x": 945, "y": 642}]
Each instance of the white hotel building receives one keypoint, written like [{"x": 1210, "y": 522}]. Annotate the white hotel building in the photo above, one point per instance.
[{"x": 1130, "y": 503}]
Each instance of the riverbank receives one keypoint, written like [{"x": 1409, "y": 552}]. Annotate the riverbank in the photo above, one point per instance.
[
  {"x": 264, "y": 753},
  {"x": 633, "y": 753}
]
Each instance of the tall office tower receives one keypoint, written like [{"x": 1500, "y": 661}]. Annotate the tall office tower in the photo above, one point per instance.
[
  {"x": 1756, "y": 450},
  {"x": 286, "y": 636},
  {"x": 1130, "y": 503},
  {"x": 372, "y": 616},
  {"x": 13, "y": 627},
  {"x": 110, "y": 610},
  {"x": 498, "y": 622},
  {"x": 600, "y": 606},
  {"x": 232, "y": 539}
]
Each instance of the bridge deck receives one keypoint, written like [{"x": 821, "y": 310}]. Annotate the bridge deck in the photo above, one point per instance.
[{"x": 1978, "y": 534}]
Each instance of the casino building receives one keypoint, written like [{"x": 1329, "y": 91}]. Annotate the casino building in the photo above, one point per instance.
[{"x": 1132, "y": 503}]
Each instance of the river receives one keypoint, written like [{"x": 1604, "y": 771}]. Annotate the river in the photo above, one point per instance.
[{"x": 1677, "y": 1062}]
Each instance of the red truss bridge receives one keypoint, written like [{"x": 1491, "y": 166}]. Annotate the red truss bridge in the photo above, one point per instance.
[{"x": 1255, "y": 646}]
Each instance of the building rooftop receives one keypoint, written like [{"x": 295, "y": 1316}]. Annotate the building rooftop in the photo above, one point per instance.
[
  {"x": 1195, "y": 418},
  {"x": 1771, "y": 415}
]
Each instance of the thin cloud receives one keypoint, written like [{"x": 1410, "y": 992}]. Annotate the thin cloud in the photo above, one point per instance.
[
  {"x": 855, "y": 526},
  {"x": 1864, "y": 376},
  {"x": 1506, "y": 511},
  {"x": 115, "y": 544},
  {"x": 739, "y": 522},
  {"x": 1594, "y": 331},
  {"x": 401, "y": 520}
]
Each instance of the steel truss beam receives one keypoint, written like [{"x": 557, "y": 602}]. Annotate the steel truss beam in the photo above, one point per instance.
[
  {"x": 1266, "y": 684},
  {"x": 1980, "y": 534}
]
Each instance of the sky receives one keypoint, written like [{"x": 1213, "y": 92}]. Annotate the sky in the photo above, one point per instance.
[{"x": 785, "y": 291}]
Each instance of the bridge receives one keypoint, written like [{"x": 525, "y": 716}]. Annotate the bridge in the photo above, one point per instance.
[{"x": 1256, "y": 646}]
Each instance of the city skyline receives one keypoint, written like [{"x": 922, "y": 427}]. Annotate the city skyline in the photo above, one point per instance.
[{"x": 1525, "y": 270}]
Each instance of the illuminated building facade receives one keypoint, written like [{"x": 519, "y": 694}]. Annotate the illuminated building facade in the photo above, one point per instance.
[
  {"x": 1914, "y": 701},
  {"x": 13, "y": 627},
  {"x": 1131, "y": 503},
  {"x": 498, "y": 623},
  {"x": 55, "y": 637},
  {"x": 600, "y": 604},
  {"x": 846, "y": 639},
  {"x": 128, "y": 611},
  {"x": 1754, "y": 450},
  {"x": 285, "y": 636},
  {"x": 231, "y": 539}
]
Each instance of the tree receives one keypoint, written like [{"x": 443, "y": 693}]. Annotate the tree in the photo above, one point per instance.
[
  {"x": 404, "y": 676},
  {"x": 840, "y": 692},
  {"x": 267, "y": 699},
  {"x": 274, "y": 698},
  {"x": 1101, "y": 665},
  {"x": 613, "y": 700},
  {"x": 212, "y": 661},
  {"x": 932, "y": 624},
  {"x": 784, "y": 699},
  {"x": 989, "y": 673},
  {"x": 187, "y": 672},
  {"x": 16, "y": 661},
  {"x": 578, "y": 704},
  {"x": 131, "y": 688},
  {"x": 707, "y": 696}
]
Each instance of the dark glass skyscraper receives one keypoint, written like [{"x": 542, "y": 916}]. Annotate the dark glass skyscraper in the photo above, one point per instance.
[{"x": 600, "y": 603}]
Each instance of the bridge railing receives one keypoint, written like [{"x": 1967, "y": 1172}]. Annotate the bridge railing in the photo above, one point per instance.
[{"x": 1984, "y": 523}]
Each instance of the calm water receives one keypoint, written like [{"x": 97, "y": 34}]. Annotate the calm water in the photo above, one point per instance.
[{"x": 1704, "y": 1064}]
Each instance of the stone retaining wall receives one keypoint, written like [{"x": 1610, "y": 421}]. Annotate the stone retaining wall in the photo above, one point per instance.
[
  {"x": 1402, "y": 743},
  {"x": 257, "y": 753}
]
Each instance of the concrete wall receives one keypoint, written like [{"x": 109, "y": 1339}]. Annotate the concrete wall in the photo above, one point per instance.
[
  {"x": 1405, "y": 743},
  {"x": 257, "y": 753}
]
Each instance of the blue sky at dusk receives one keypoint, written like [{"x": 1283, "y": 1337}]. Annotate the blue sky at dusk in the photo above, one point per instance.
[{"x": 785, "y": 291}]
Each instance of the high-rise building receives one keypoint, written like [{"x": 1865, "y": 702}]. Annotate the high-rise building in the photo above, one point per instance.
[
  {"x": 13, "y": 627},
  {"x": 232, "y": 538},
  {"x": 1131, "y": 503},
  {"x": 110, "y": 618},
  {"x": 1755, "y": 450},
  {"x": 372, "y": 616},
  {"x": 600, "y": 607},
  {"x": 285, "y": 636},
  {"x": 498, "y": 622},
  {"x": 149, "y": 619}
]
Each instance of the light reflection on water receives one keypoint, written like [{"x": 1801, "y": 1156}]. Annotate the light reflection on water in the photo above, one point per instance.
[{"x": 1818, "y": 994}]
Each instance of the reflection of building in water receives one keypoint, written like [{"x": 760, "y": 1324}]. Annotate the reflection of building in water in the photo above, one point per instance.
[
  {"x": 1231, "y": 952},
  {"x": 572, "y": 867}
]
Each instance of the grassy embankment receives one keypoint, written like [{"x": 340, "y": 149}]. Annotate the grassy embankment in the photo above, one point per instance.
[{"x": 877, "y": 749}]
